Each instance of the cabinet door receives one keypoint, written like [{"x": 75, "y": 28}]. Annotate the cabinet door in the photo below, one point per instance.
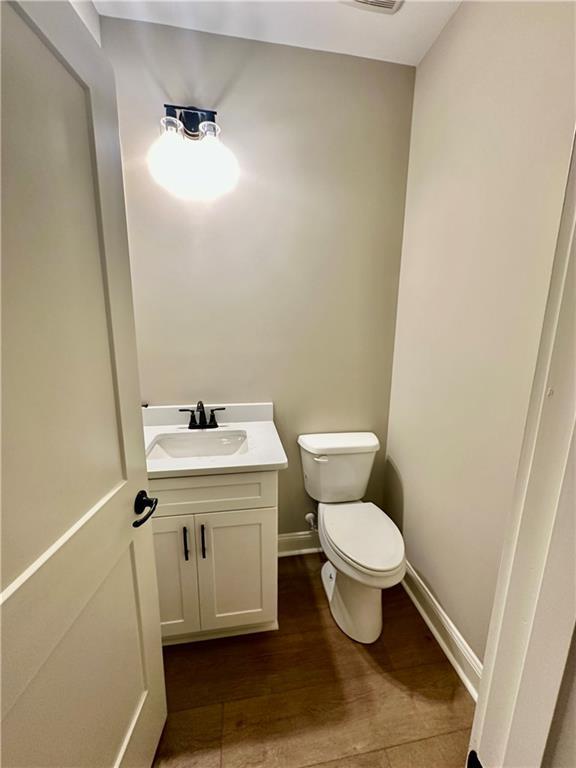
[
  {"x": 175, "y": 548},
  {"x": 237, "y": 567}
]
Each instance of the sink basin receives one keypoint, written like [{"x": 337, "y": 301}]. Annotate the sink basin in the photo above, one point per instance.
[{"x": 192, "y": 444}]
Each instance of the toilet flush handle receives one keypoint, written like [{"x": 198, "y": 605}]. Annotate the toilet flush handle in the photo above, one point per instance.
[{"x": 320, "y": 459}]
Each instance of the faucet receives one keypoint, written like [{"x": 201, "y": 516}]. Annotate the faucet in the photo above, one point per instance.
[{"x": 203, "y": 422}]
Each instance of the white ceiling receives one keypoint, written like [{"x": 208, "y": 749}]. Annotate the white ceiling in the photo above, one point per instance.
[{"x": 341, "y": 26}]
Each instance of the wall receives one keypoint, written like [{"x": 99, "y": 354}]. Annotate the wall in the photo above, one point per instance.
[
  {"x": 491, "y": 134},
  {"x": 284, "y": 290}
]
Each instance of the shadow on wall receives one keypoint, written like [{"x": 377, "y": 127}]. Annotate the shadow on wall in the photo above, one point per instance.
[
  {"x": 194, "y": 82},
  {"x": 393, "y": 493}
]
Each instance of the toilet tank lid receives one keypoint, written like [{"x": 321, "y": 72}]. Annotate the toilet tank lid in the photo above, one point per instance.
[{"x": 339, "y": 442}]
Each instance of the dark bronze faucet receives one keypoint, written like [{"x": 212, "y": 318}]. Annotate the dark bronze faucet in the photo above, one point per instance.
[{"x": 203, "y": 422}]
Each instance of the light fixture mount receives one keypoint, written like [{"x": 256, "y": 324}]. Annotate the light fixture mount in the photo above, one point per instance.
[{"x": 191, "y": 118}]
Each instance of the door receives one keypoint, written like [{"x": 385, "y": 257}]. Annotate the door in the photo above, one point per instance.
[
  {"x": 237, "y": 565},
  {"x": 82, "y": 678},
  {"x": 175, "y": 548},
  {"x": 534, "y": 613}
]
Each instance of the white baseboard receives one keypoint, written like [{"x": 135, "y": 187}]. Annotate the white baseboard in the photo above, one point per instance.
[
  {"x": 461, "y": 656},
  {"x": 299, "y": 543}
]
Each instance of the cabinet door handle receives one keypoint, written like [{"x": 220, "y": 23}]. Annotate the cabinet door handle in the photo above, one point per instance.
[
  {"x": 186, "y": 549},
  {"x": 203, "y": 540}
]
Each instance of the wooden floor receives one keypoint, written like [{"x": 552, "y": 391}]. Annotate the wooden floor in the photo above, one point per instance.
[{"x": 308, "y": 695}]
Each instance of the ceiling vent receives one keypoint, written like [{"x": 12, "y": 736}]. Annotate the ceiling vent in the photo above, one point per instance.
[{"x": 386, "y": 6}]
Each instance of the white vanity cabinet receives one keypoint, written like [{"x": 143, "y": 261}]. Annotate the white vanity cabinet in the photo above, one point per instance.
[
  {"x": 237, "y": 564},
  {"x": 176, "y": 568},
  {"x": 215, "y": 540}
]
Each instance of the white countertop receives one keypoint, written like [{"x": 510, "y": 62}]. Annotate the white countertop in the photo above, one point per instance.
[{"x": 261, "y": 452}]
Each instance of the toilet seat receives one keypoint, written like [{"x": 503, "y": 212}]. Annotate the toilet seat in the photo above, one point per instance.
[{"x": 363, "y": 536}]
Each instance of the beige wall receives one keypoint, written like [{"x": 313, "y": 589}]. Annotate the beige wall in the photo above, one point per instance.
[
  {"x": 491, "y": 134},
  {"x": 285, "y": 290}
]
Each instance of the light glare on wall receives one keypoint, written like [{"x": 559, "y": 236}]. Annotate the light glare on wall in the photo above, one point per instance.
[{"x": 188, "y": 159}]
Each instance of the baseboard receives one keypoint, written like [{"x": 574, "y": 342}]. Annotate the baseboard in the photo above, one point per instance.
[
  {"x": 299, "y": 543},
  {"x": 461, "y": 656}
]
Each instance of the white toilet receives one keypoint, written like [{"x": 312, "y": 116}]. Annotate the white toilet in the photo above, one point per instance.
[{"x": 365, "y": 550}]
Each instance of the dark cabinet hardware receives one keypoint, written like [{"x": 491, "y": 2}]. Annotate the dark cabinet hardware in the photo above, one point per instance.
[
  {"x": 203, "y": 540},
  {"x": 186, "y": 549},
  {"x": 142, "y": 502}
]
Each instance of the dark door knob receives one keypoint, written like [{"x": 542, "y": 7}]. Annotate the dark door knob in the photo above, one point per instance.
[{"x": 141, "y": 503}]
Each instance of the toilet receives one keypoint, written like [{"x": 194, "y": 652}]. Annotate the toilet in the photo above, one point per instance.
[{"x": 365, "y": 549}]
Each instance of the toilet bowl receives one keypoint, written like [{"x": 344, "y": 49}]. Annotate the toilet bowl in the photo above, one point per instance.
[
  {"x": 365, "y": 554},
  {"x": 364, "y": 548}
]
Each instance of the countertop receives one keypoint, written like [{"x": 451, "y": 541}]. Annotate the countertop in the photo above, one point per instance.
[{"x": 262, "y": 450}]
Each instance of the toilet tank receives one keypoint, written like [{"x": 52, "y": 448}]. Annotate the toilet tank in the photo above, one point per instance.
[{"x": 337, "y": 465}]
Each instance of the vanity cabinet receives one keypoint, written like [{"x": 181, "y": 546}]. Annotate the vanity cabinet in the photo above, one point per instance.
[
  {"x": 216, "y": 557},
  {"x": 237, "y": 568},
  {"x": 175, "y": 550}
]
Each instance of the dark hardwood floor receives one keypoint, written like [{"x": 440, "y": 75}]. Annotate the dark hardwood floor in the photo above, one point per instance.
[{"x": 308, "y": 695}]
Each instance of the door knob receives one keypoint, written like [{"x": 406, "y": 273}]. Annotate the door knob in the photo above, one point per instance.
[{"x": 142, "y": 502}]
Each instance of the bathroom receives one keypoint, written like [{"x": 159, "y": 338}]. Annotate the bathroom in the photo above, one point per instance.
[{"x": 357, "y": 562}]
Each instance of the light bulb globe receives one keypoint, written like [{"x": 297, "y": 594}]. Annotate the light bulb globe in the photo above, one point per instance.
[{"x": 192, "y": 169}]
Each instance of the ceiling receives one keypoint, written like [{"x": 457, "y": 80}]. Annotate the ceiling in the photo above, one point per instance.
[{"x": 340, "y": 26}]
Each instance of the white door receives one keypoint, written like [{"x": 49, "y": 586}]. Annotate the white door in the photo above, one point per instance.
[
  {"x": 82, "y": 678},
  {"x": 175, "y": 548},
  {"x": 237, "y": 564},
  {"x": 534, "y": 613}
]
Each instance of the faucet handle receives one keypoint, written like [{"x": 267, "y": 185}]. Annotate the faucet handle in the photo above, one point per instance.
[
  {"x": 213, "y": 422},
  {"x": 192, "y": 412}
]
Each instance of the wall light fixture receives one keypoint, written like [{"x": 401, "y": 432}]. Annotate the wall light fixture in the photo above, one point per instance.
[{"x": 188, "y": 159}]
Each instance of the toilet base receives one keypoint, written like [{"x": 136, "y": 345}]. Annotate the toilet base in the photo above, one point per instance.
[{"x": 356, "y": 608}]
